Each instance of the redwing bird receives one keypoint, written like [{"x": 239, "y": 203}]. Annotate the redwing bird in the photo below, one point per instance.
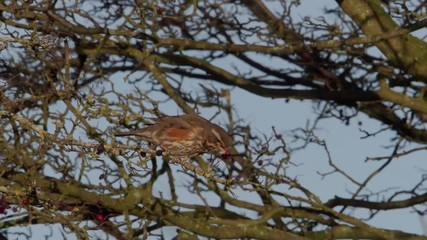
[{"x": 185, "y": 136}]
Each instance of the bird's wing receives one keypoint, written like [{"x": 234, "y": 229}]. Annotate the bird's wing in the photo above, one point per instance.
[
  {"x": 174, "y": 122},
  {"x": 141, "y": 133},
  {"x": 192, "y": 120}
]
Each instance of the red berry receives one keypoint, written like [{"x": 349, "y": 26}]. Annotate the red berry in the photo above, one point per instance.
[
  {"x": 160, "y": 10},
  {"x": 3, "y": 203},
  {"x": 100, "y": 217},
  {"x": 26, "y": 201},
  {"x": 15, "y": 209},
  {"x": 100, "y": 149},
  {"x": 226, "y": 155}
]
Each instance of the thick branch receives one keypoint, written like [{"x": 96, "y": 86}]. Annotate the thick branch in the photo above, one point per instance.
[
  {"x": 385, "y": 115},
  {"x": 404, "y": 51},
  {"x": 337, "y": 201},
  {"x": 346, "y": 232}
]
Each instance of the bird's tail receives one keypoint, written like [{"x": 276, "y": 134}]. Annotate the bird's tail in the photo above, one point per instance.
[{"x": 129, "y": 133}]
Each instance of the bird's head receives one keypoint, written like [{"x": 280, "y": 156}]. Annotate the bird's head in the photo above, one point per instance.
[{"x": 218, "y": 141}]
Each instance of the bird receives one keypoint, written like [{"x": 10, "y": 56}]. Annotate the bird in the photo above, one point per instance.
[{"x": 184, "y": 136}]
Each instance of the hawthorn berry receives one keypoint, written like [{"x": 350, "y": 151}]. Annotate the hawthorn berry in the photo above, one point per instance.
[
  {"x": 3, "y": 203},
  {"x": 100, "y": 149},
  {"x": 160, "y": 11},
  {"x": 26, "y": 201},
  {"x": 101, "y": 176},
  {"x": 226, "y": 155},
  {"x": 100, "y": 217}
]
